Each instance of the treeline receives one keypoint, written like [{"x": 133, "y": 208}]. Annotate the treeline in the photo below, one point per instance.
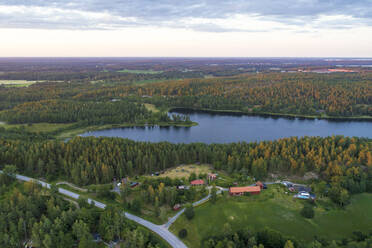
[
  {"x": 90, "y": 113},
  {"x": 13, "y": 96},
  {"x": 20, "y": 133},
  {"x": 268, "y": 238},
  {"x": 297, "y": 93},
  {"x": 282, "y": 93},
  {"x": 39, "y": 218},
  {"x": 344, "y": 163}
]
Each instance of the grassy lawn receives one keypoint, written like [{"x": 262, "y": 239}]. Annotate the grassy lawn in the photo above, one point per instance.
[
  {"x": 151, "y": 107},
  {"x": 185, "y": 171},
  {"x": 278, "y": 211},
  {"x": 16, "y": 83}
]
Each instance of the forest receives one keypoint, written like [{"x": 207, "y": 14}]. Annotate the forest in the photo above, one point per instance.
[
  {"x": 344, "y": 163},
  {"x": 298, "y": 94},
  {"x": 81, "y": 94},
  {"x": 88, "y": 113},
  {"x": 272, "y": 239},
  {"x": 30, "y": 215}
]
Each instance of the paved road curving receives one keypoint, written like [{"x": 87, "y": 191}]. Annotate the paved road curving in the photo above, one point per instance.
[
  {"x": 205, "y": 199},
  {"x": 160, "y": 230},
  {"x": 163, "y": 232},
  {"x": 72, "y": 186}
]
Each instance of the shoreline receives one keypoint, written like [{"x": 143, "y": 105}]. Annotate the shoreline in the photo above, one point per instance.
[
  {"x": 65, "y": 134},
  {"x": 272, "y": 115}
]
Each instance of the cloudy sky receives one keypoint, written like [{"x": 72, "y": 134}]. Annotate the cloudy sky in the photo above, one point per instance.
[{"x": 302, "y": 28}]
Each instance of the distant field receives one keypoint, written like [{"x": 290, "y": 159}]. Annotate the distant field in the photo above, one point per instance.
[
  {"x": 278, "y": 211},
  {"x": 140, "y": 82},
  {"x": 140, "y": 71},
  {"x": 16, "y": 83}
]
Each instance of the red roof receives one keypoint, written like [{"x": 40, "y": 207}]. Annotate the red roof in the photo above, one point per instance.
[
  {"x": 248, "y": 189},
  {"x": 197, "y": 182}
]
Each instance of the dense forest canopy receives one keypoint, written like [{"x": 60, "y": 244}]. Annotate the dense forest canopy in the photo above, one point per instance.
[
  {"x": 60, "y": 111},
  {"x": 298, "y": 93},
  {"x": 345, "y": 163},
  {"x": 34, "y": 216},
  {"x": 311, "y": 94}
]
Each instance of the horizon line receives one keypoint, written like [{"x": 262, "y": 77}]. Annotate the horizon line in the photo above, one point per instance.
[{"x": 222, "y": 57}]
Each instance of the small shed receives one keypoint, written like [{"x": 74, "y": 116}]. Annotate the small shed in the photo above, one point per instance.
[{"x": 176, "y": 207}]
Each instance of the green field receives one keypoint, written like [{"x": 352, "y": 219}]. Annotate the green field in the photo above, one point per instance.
[
  {"x": 140, "y": 71},
  {"x": 279, "y": 211},
  {"x": 151, "y": 107},
  {"x": 16, "y": 83}
]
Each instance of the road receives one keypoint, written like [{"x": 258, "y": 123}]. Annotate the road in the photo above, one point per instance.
[
  {"x": 160, "y": 230},
  {"x": 163, "y": 232},
  {"x": 72, "y": 186},
  {"x": 60, "y": 190}
]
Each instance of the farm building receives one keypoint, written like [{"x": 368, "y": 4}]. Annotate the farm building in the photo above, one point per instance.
[
  {"x": 253, "y": 190},
  {"x": 261, "y": 185},
  {"x": 197, "y": 182},
  {"x": 212, "y": 176}
]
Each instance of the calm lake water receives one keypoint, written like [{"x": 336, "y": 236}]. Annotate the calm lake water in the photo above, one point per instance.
[{"x": 225, "y": 128}]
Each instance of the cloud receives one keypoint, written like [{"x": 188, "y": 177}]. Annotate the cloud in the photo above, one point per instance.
[{"x": 198, "y": 15}]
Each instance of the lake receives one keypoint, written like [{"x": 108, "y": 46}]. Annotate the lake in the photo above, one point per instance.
[{"x": 226, "y": 128}]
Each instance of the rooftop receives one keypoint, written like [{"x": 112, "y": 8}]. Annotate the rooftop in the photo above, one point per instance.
[
  {"x": 247, "y": 189},
  {"x": 199, "y": 181}
]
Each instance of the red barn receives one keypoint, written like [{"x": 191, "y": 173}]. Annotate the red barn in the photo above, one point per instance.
[
  {"x": 260, "y": 184},
  {"x": 197, "y": 182},
  {"x": 253, "y": 190}
]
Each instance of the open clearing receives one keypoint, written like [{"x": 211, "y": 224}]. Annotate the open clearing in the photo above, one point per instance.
[
  {"x": 278, "y": 211},
  {"x": 16, "y": 83},
  {"x": 151, "y": 107},
  {"x": 185, "y": 171}
]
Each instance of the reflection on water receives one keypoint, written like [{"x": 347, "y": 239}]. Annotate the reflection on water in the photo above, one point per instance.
[{"x": 226, "y": 128}]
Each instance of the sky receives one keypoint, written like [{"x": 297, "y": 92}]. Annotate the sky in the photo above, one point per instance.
[{"x": 186, "y": 28}]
